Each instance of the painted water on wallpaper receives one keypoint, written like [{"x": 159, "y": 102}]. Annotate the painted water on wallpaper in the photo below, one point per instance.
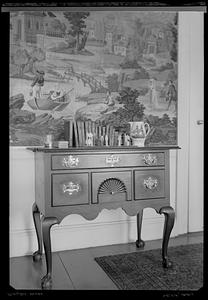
[{"x": 108, "y": 66}]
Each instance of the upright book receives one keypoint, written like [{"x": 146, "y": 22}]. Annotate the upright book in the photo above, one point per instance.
[
  {"x": 68, "y": 132},
  {"x": 76, "y": 138}
]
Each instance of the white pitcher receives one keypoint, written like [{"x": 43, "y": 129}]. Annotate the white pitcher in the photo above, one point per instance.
[{"x": 138, "y": 132}]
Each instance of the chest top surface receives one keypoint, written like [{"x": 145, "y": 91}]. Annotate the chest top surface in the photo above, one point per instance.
[{"x": 106, "y": 149}]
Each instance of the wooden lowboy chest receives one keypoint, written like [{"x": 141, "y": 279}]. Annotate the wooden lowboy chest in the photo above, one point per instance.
[{"x": 86, "y": 180}]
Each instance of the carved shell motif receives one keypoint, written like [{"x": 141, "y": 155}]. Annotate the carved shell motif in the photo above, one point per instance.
[{"x": 112, "y": 186}]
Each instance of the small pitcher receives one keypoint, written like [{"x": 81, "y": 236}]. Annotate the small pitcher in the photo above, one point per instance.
[{"x": 138, "y": 132}]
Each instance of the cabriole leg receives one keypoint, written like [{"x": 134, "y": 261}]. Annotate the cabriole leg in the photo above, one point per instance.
[
  {"x": 169, "y": 214},
  {"x": 139, "y": 243},
  {"x": 37, "y": 255},
  {"x": 46, "y": 281}
]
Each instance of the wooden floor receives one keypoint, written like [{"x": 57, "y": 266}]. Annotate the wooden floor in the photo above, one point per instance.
[{"x": 77, "y": 269}]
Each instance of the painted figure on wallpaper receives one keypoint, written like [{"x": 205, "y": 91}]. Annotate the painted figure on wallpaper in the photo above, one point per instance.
[
  {"x": 112, "y": 67},
  {"x": 153, "y": 94},
  {"x": 37, "y": 84},
  {"x": 171, "y": 94},
  {"x": 109, "y": 99}
]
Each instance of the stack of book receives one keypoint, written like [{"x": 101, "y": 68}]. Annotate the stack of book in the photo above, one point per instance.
[{"x": 90, "y": 133}]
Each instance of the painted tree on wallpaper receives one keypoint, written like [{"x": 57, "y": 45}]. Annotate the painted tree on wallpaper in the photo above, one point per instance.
[
  {"x": 78, "y": 26},
  {"x": 64, "y": 64}
]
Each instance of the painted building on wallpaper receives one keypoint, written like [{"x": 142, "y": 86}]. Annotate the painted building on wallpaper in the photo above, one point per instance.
[
  {"x": 25, "y": 27},
  {"x": 158, "y": 39},
  {"x": 115, "y": 42},
  {"x": 120, "y": 46},
  {"x": 151, "y": 47},
  {"x": 96, "y": 34},
  {"x": 109, "y": 22},
  {"x": 109, "y": 42}
]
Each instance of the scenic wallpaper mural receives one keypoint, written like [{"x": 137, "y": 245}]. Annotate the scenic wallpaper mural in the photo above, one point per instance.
[{"x": 110, "y": 67}]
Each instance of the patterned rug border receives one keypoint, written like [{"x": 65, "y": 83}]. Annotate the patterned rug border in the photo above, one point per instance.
[{"x": 120, "y": 278}]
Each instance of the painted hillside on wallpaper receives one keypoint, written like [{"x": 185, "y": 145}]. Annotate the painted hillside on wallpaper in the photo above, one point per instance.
[{"x": 87, "y": 66}]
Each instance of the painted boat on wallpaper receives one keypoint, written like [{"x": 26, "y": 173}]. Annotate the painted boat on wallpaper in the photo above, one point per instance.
[{"x": 47, "y": 103}]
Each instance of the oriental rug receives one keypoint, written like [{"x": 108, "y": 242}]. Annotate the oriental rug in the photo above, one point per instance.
[{"x": 142, "y": 270}]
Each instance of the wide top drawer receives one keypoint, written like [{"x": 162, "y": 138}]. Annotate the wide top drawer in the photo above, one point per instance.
[{"x": 77, "y": 161}]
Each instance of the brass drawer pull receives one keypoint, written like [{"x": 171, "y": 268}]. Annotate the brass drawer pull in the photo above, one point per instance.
[
  {"x": 70, "y": 161},
  {"x": 150, "y": 183},
  {"x": 150, "y": 159},
  {"x": 70, "y": 188},
  {"x": 112, "y": 160}
]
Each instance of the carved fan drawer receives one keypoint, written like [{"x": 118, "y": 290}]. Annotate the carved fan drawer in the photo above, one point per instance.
[
  {"x": 111, "y": 186},
  {"x": 73, "y": 161},
  {"x": 69, "y": 189},
  {"x": 149, "y": 184}
]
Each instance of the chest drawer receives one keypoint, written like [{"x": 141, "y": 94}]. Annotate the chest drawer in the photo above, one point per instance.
[
  {"x": 111, "y": 186},
  {"x": 149, "y": 184},
  {"x": 77, "y": 161},
  {"x": 69, "y": 189}
]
